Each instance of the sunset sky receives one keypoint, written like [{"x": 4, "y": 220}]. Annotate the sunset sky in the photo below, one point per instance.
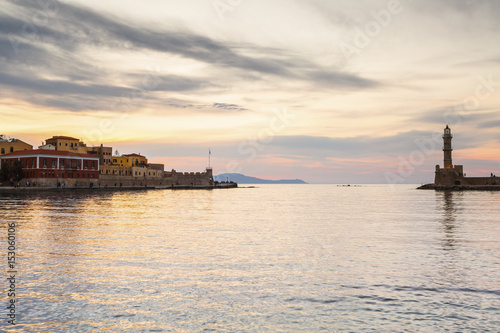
[{"x": 329, "y": 91}]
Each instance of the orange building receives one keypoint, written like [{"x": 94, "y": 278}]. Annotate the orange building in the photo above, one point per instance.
[
  {"x": 67, "y": 143},
  {"x": 12, "y": 145}
]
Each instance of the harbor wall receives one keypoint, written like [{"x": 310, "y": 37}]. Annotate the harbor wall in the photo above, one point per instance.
[{"x": 127, "y": 177}]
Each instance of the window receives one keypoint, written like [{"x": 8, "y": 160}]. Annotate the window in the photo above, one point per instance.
[
  {"x": 60, "y": 143},
  {"x": 93, "y": 164},
  {"x": 53, "y": 163},
  {"x": 66, "y": 144},
  {"x": 86, "y": 164},
  {"x": 3, "y": 150},
  {"x": 11, "y": 149},
  {"x": 44, "y": 162}
]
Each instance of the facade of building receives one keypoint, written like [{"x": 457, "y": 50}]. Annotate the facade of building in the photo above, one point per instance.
[
  {"x": 52, "y": 168},
  {"x": 104, "y": 153},
  {"x": 47, "y": 147},
  {"x": 453, "y": 175},
  {"x": 121, "y": 161},
  {"x": 67, "y": 143},
  {"x": 194, "y": 179},
  {"x": 127, "y": 176},
  {"x": 136, "y": 159},
  {"x": 12, "y": 145}
]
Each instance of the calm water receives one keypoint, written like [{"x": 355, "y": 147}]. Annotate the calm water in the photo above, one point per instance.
[{"x": 280, "y": 258}]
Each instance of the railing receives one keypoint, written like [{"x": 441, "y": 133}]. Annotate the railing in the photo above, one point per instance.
[{"x": 69, "y": 169}]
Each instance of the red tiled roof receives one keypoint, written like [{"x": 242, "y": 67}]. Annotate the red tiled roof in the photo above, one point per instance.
[
  {"x": 46, "y": 152},
  {"x": 63, "y": 138},
  {"x": 133, "y": 155}
]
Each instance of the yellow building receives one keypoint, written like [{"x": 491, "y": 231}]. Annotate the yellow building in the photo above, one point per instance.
[
  {"x": 122, "y": 161},
  {"x": 12, "y": 145},
  {"x": 137, "y": 159},
  {"x": 129, "y": 160},
  {"x": 67, "y": 143}
]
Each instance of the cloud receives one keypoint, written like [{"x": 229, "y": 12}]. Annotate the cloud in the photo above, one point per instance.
[
  {"x": 490, "y": 124},
  {"x": 233, "y": 107},
  {"x": 339, "y": 80},
  {"x": 59, "y": 46},
  {"x": 321, "y": 148},
  {"x": 401, "y": 144},
  {"x": 354, "y": 146}
]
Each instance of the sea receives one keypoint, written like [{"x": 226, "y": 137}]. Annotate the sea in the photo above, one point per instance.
[{"x": 269, "y": 258}]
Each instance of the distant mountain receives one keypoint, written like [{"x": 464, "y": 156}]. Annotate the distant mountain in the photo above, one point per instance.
[{"x": 242, "y": 179}]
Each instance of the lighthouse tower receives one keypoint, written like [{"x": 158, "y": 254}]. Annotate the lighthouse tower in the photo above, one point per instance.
[
  {"x": 447, "y": 148},
  {"x": 449, "y": 174}
]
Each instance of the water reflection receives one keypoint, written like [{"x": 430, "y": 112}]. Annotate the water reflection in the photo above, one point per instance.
[
  {"x": 451, "y": 201},
  {"x": 450, "y": 206}
]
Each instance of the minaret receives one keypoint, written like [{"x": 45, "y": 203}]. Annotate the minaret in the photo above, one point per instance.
[{"x": 447, "y": 148}]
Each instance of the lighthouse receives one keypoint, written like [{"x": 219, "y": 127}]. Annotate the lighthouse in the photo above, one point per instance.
[
  {"x": 449, "y": 174},
  {"x": 452, "y": 177},
  {"x": 447, "y": 148}
]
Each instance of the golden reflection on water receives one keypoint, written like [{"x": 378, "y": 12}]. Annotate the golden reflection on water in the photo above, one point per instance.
[{"x": 273, "y": 258}]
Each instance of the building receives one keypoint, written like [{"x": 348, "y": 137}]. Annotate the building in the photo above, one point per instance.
[
  {"x": 137, "y": 159},
  {"x": 129, "y": 160},
  {"x": 121, "y": 161},
  {"x": 193, "y": 179},
  {"x": 53, "y": 168},
  {"x": 453, "y": 175},
  {"x": 47, "y": 147},
  {"x": 67, "y": 143},
  {"x": 65, "y": 161},
  {"x": 104, "y": 153},
  {"x": 10, "y": 145}
]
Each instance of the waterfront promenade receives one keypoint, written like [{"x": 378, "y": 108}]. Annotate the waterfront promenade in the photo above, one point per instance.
[{"x": 4, "y": 189}]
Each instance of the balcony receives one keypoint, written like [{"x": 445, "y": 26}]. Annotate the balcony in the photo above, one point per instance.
[{"x": 69, "y": 169}]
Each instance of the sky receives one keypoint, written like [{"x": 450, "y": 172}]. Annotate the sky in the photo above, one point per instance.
[{"x": 330, "y": 91}]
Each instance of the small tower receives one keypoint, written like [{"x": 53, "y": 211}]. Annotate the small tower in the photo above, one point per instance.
[{"x": 447, "y": 148}]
